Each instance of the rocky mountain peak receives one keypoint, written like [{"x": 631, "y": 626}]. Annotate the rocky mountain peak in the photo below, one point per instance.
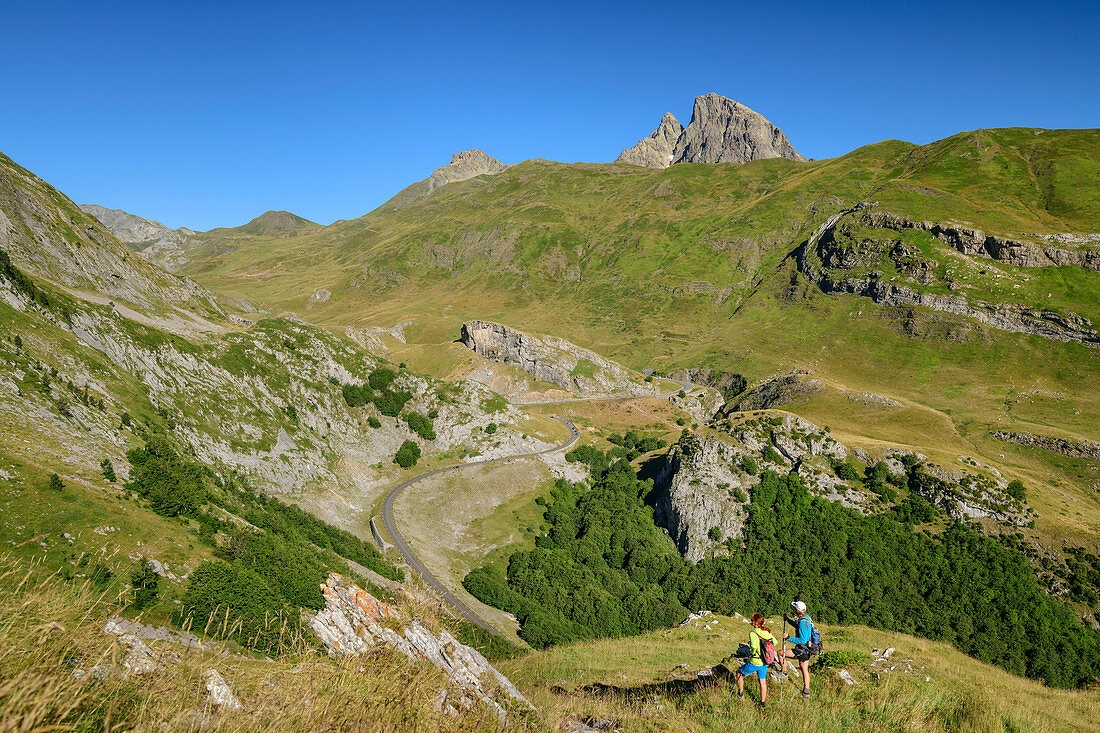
[
  {"x": 655, "y": 151},
  {"x": 464, "y": 165},
  {"x": 721, "y": 131}
]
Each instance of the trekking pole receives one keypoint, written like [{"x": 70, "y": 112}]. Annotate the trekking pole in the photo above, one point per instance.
[{"x": 782, "y": 660}]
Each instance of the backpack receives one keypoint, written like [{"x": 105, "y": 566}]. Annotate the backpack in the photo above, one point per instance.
[
  {"x": 767, "y": 651},
  {"x": 815, "y": 638}
]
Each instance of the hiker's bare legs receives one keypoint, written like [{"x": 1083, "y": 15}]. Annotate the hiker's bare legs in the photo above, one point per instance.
[
  {"x": 740, "y": 684},
  {"x": 805, "y": 667},
  {"x": 763, "y": 691}
]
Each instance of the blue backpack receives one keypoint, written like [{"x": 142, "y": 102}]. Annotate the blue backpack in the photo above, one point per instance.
[{"x": 815, "y": 637}]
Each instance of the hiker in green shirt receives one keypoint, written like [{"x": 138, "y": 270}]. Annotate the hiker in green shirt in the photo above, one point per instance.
[{"x": 758, "y": 660}]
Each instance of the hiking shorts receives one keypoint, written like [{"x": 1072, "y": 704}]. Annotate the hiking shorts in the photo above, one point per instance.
[
  {"x": 747, "y": 669},
  {"x": 801, "y": 652}
]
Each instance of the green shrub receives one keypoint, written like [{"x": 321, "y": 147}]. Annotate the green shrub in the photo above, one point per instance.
[
  {"x": 1016, "y": 490},
  {"x": 845, "y": 471},
  {"x": 841, "y": 658},
  {"x": 740, "y": 495},
  {"x": 491, "y": 428},
  {"x": 108, "y": 470},
  {"x": 407, "y": 455},
  {"x": 381, "y": 379},
  {"x": 146, "y": 584},
  {"x": 771, "y": 455},
  {"x": 748, "y": 465},
  {"x": 420, "y": 425},
  {"x": 374, "y": 422}
]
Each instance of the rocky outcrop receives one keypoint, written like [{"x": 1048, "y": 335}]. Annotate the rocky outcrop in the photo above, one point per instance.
[
  {"x": 353, "y": 623},
  {"x": 724, "y": 382},
  {"x": 1009, "y": 317},
  {"x": 824, "y": 258},
  {"x": 707, "y": 481},
  {"x": 1069, "y": 447},
  {"x": 721, "y": 131},
  {"x": 553, "y": 360},
  {"x": 657, "y": 150},
  {"x": 702, "y": 497},
  {"x": 976, "y": 243},
  {"x": 463, "y": 166},
  {"x": 795, "y": 386},
  {"x": 151, "y": 239}
]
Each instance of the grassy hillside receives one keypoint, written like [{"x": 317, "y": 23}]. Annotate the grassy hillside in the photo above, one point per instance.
[
  {"x": 691, "y": 266},
  {"x": 650, "y": 683}
]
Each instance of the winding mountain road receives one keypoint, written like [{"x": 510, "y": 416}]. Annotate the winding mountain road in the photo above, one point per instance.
[{"x": 410, "y": 557}]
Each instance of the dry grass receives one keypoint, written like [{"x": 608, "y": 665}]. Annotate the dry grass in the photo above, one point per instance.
[
  {"x": 961, "y": 693},
  {"x": 49, "y": 628}
]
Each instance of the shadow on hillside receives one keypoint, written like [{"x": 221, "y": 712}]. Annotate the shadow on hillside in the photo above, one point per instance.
[{"x": 669, "y": 688}]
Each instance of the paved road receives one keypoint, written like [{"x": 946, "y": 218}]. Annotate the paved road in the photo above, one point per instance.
[{"x": 410, "y": 557}]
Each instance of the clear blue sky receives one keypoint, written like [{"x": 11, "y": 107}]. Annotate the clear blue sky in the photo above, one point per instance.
[{"x": 207, "y": 114}]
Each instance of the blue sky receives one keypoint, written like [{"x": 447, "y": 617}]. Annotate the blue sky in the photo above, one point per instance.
[{"x": 207, "y": 114}]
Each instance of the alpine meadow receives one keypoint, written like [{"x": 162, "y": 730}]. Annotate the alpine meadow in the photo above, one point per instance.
[{"x": 713, "y": 436}]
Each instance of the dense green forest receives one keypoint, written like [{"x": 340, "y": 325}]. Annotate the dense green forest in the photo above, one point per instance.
[{"x": 602, "y": 568}]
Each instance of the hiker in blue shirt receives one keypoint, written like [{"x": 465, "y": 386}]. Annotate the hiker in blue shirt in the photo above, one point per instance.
[{"x": 804, "y": 628}]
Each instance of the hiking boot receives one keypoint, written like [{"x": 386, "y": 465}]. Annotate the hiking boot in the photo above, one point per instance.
[
  {"x": 763, "y": 708},
  {"x": 740, "y": 696},
  {"x": 806, "y": 693}
]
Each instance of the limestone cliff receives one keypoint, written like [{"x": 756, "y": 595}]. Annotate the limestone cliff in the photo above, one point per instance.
[
  {"x": 842, "y": 256},
  {"x": 707, "y": 481},
  {"x": 553, "y": 360}
]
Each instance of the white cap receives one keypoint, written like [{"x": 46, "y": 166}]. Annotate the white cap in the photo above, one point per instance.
[{"x": 798, "y": 606}]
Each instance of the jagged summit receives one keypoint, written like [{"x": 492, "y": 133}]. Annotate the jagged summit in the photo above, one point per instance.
[
  {"x": 721, "y": 131},
  {"x": 657, "y": 150},
  {"x": 464, "y": 165}
]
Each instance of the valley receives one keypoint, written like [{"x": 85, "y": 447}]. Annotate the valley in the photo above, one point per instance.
[{"x": 545, "y": 411}]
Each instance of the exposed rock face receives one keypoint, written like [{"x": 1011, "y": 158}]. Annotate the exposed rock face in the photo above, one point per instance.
[
  {"x": 705, "y": 484},
  {"x": 719, "y": 380},
  {"x": 724, "y": 131},
  {"x": 552, "y": 360},
  {"x": 463, "y": 166},
  {"x": 721, "y": 131},
  {"x": 826, "y": 260},
  {"x": 1002, "y": 316},
  {"x": 976, "y": 243},
  {"x": 698, "y": 493},
  {"x": 794, "y": 386},
  {"x": 1072, "y": 448},
  {"x": 153, "y": 240},
  {"x": 702, "y": 492},
  {"x": 657, "y": 150},
  {"x": 349, "y": 625}
]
